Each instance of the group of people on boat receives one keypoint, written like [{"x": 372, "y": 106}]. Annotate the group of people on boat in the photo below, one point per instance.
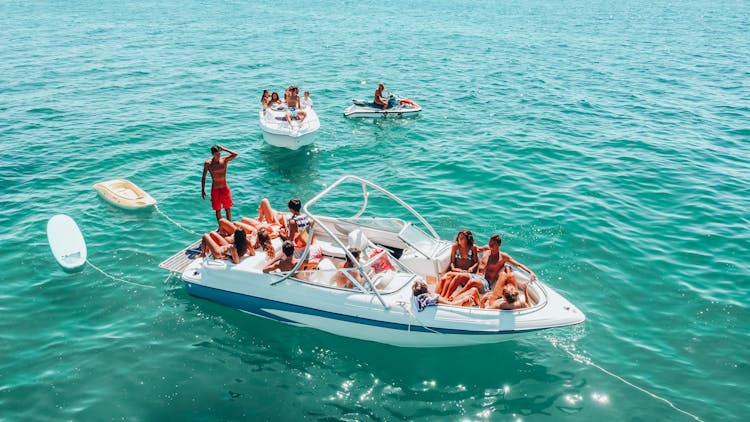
[
  {"x": 234, "y": 240},
  {"x": 292, "y": 103},
  {"x": 488, "y": 282},
  {"x": 230, "y": 240}
]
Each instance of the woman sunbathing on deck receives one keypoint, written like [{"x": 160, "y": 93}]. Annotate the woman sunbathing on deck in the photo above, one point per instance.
[
  {"x": 221, "y": 248},
  {"x": 272, "y": 220}
]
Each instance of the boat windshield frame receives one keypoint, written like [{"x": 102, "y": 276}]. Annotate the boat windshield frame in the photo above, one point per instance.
[{"x": 365, "y": 194}]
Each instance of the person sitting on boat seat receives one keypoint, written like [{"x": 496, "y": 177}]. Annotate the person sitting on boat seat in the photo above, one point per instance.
[
  {"x": 265, "y": 100},
  {"x": 464, "y": 264},
  {"x": 424, "y": 298},
  {"x": 342, "y": 280},
  {"x": 380, "y": 98},
  {"x": 306, "y": 101},
  {"x": 220, "y": 248},
  {"x": 297, "y": 227},
  {"x": 294, "y": 109},
  {"x": 509, "y": 299},
  {"x": 505, "y": 278},
  {"x": 275, "y": 102},
  {"x": 491, "y": 265},
  {"x": 285, "y": 262}
]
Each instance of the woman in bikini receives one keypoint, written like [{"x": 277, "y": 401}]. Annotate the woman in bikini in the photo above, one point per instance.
[
  {"x": 464, "y": 263},
  {"x": 263, "y": 241},
  {"x": 221, "y": 248},
  {"x": 269, "y": 218},
  {"x": 274, "y": 101}
]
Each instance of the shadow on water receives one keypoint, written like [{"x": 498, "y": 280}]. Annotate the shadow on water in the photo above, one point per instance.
[
  {"x": 383, "y": 122},
  {"x": 296, "y": 166},
  {"x": 467, "y": 380}
]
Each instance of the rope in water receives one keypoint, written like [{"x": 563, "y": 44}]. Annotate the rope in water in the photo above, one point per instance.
[
  {"x": 588, "y": 361},
  {"x": 116, "y": 278},
  {"x": 174, "y": 222}
]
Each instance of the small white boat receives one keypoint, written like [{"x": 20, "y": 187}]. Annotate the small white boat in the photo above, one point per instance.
[
  {"x": 398, "y": 107},
  {"x": 277, "y": 132},
  {"x": 381, "y": 308},
  {"x": 66, "y": 242},
  {"x": 124, "y": 194}
]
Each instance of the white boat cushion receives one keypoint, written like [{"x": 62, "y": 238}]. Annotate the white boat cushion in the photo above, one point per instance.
[
  {"x": 383, "y": 279},
  {"x": 358, "y": 240},
  {"x": 325, "y": 274}
]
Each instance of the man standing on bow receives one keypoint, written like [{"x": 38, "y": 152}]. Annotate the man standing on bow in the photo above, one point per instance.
[{"x": 221, "y": 196}]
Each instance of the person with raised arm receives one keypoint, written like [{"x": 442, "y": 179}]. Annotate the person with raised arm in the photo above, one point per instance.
[{"x": 221, "y": 195}]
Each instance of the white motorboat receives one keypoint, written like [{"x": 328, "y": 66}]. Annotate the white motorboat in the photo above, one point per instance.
[
  {"x": 397, "y": 253},
  {"x": 277, "y": 132},
  {"x": 397, "y": 107}
]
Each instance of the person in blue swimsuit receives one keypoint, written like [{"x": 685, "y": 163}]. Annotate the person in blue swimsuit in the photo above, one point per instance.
[
  {"x": 464, "y": 264},
  {"x": 293, "y": 107}
]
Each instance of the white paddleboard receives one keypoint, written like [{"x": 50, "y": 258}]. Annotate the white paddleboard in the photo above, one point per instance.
[{"x": 66, "y": 242}]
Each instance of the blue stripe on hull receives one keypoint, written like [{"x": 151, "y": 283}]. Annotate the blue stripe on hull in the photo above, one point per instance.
[{"x": 256, "y": 305}]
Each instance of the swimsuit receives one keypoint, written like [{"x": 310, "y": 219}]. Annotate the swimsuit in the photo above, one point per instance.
[
  {"x": 293, "y": 111},
  {"x": 302, "y": 221},
  {"x": 426, "y": 299},
  {"x": 485, "y": 284},
  {"x": 221, "y": 198},
  {"x": 470, "y": 256}
]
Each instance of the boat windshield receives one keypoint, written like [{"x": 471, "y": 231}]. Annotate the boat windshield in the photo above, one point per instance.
[
  {"x": 419, "y": 240},
  {"x": 393, "y": 225}
]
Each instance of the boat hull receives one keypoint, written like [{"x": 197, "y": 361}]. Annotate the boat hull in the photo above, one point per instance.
[
  {"x": 277, "y": 132},
  {"x": 287, "y": 141},
  {"x": 355, "y": 111},
  {"x": 396, "y": 334},
  {"x": 361, "y": 316}
]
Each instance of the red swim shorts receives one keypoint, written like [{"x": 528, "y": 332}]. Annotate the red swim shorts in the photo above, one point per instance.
[{"x": 221, "y": 198}]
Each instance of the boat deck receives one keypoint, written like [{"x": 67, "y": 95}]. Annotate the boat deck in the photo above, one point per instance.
[{"x": 179, "y": 261}]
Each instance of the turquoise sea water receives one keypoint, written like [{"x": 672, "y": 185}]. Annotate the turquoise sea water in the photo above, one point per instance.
[{"x": 607, "y": 142}]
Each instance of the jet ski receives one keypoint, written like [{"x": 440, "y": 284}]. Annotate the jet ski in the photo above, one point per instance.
[{"x": 397, "y": 107}]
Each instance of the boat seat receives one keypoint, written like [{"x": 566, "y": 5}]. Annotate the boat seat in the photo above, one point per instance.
[
  {"x": 358, "y": 240},
  {"x": 326, "y": 273},
  {"x": 381, "y": 280}
]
